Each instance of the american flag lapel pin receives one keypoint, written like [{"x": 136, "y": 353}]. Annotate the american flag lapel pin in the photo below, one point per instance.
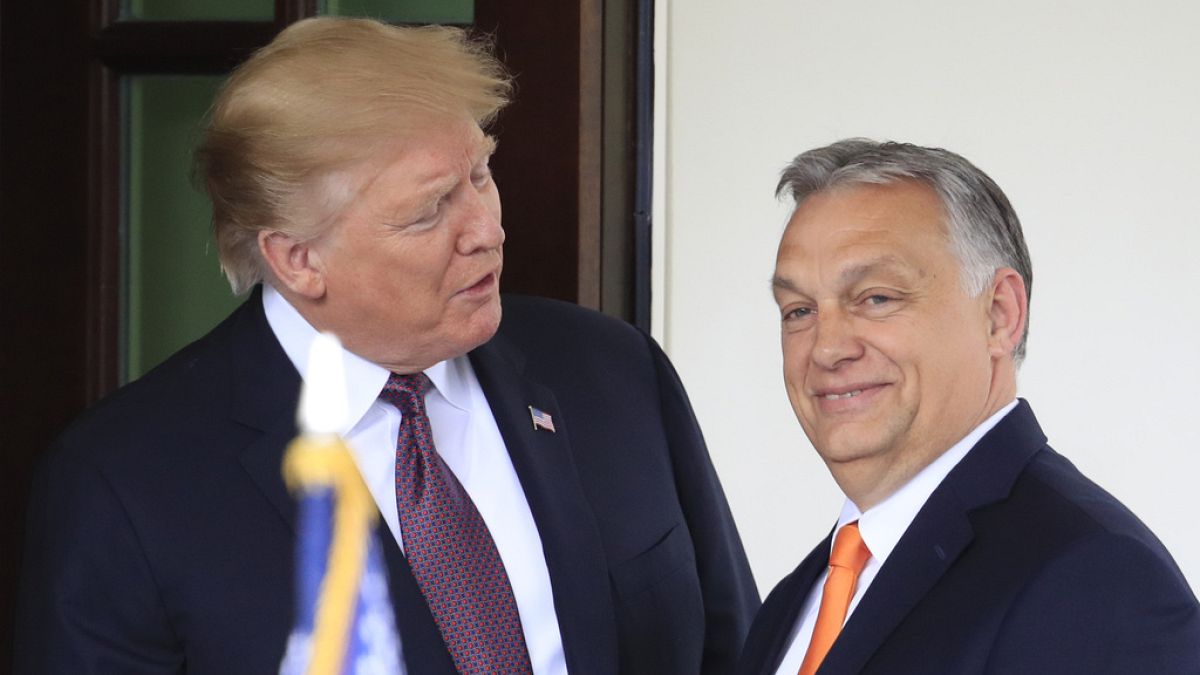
[{"x": 541, "y": 419}]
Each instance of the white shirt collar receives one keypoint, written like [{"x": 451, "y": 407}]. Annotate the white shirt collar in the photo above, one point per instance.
[
  {"x": 364, "y": 379},
  {"x": 882, "y": 525}
]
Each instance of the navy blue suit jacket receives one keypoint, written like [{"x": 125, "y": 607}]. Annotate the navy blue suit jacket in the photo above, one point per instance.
[
  {"x": 160, "y": 537},
  {"x": 1016, "y": 564}
]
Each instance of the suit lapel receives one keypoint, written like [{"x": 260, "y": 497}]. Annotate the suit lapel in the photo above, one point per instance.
[
  {"x": 930, "y": 546},
  {"x": 265, "y": 388},
  {"x": 264, "y": 393},
  {"x": 936, "y": 537},
  {"x": 794, "y": 593},
  {"x": 570, "y": 537}
]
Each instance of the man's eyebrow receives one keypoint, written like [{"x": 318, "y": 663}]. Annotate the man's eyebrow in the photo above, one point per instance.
[
  {"x": 853, "y": 273},
  {"x": 487, "y": 148},
  {"x": 436, "y": 186},
  {"x": 779, "y": 283}
]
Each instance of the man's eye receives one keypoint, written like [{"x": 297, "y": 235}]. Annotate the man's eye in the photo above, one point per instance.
[
  {"x": 429, "y": 214},
  {"x": 798, "y": 313},
  {"x": 440, "y": 205},
  {"x": 878, "y": 299},
  {"x": 481, "y": 176},
  {"x": 426, "y": 217}
]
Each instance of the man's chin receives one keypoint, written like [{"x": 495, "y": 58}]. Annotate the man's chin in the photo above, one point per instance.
[
  {"x": 483, "y": 323},
  {"x": 847, "y": 446}
]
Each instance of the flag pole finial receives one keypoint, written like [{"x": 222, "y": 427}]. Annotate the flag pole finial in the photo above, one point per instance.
[{"x": 323, "y": 407}]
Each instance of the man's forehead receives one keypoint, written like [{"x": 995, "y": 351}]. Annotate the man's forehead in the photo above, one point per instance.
[
  {"x": 428, "y": 165},
  {"x": 796, "y": 274},
  {"x": 865, "y": 221},
  {"x": 839, "y": 247},
  {"x": 859, "y": 243}
]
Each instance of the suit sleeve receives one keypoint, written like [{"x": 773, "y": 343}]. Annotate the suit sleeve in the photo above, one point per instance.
[
  {"x": 729, "y": 593},
  {"x": 87, "y": 602},
  {"x": 1109, "y": 605}
]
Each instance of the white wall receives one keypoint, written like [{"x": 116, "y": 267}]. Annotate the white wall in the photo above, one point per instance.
[{"x": 1086, "y": 112}]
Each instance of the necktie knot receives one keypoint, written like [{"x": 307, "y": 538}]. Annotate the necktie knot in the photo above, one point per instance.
[
  {"x": 407, "y": 392},
  {"x": 849, "y": 550}
]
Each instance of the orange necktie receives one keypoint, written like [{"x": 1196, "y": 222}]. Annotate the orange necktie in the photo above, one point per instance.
[{"x": 849, "y": 556}]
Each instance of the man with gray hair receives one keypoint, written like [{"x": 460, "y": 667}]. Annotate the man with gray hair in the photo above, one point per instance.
[{"x": 965, "y": 543}]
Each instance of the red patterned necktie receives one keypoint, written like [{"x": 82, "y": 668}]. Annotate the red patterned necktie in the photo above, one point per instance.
[{"x": 449, "y": 548}]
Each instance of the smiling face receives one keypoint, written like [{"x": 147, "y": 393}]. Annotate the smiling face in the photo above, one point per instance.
[
  {"x": 409, "y": 273},
  {"x": 888, "y": 362}
]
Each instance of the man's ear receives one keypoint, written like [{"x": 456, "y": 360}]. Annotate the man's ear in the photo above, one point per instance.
[
  {"x": 294, "y": 263},
  {"x": 1008, "y": 312}
]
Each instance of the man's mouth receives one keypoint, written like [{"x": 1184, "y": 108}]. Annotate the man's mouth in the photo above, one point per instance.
[
  {"x": 847, "y": 397},
  {"x": 483, "y": 284}
]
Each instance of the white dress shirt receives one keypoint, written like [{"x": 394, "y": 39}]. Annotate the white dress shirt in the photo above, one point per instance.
[
  {"x": 881, "y": 528},
  {"x": 469, "y": 442}
]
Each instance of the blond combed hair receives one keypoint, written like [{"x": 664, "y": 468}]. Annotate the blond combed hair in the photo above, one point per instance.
[{"x": 319, "y": 99}]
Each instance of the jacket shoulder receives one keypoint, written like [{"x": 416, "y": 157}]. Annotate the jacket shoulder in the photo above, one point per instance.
[
  {"x": 1073, "y": 502},
  {"x": 555, "y": 339},
  {"x": 527, "y": 316},
  {"x": 189, "y": 389}
]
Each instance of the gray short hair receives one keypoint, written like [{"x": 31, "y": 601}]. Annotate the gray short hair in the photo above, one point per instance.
[{"x": 984, "y": 231}]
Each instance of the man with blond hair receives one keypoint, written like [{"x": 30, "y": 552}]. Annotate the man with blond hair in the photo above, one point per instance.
[
  {"x": 545, "y": 454},
  {"x": 965, "y": 543}
]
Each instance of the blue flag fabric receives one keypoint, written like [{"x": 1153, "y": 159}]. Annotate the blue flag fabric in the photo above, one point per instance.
[{"x": 369, "y": 636}]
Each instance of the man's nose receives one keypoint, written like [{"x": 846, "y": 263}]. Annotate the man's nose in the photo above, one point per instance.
[
  {"x": 836, "y": 340},
  {"x": 482, "y": 230}
]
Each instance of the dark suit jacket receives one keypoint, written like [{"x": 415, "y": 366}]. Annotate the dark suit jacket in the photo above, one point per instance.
[
  {"x": 161, "y": 534},
  {"x": 1016, "y": 564}
]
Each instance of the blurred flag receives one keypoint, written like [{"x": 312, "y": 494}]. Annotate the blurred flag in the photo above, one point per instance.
[{"x": 344, "y": 618}]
